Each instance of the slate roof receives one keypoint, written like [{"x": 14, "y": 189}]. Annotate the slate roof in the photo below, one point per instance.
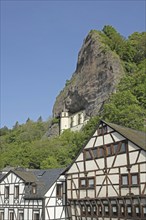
[
  {"x": 43, "y": 179},
  {"x": 137, "y": 137}
]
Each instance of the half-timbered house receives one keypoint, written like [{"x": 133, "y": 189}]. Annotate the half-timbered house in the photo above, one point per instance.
[
  {"x": 107, "y": 180},
  {"x": 33, "y": 195}
]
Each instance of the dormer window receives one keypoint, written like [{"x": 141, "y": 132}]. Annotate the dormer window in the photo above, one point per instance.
[{"x": 34, "y": 188}]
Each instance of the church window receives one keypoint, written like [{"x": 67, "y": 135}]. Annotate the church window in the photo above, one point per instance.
[
  {"x": 79, "y": 119},
  {"x": 72, "y": 121}
]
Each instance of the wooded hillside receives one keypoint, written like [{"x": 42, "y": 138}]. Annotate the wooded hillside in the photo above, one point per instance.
[{"x": 27, "y": 145}]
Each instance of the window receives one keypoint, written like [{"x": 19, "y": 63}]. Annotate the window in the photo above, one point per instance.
[
  {"x": 94, "y": 151},
  {"x": 83, "y": 210},
  {"x": 129, "y": 210},
  {"x": 34, "y": 188},
  {"x": 1, "y": 215},
  {"x": 87, "y": 182},
  {"x": 87, "y": 155},
  {"x": 100, "y": 152},
  {"x": 124, "y": 180},
  {"x": 71, "y": 123},
  {"x": 106, "y": 210},
  {"x": 79, "y": 118},
  {"x": 137, "y": 211},
  {"x": 131, "y": 179},
  {"x": 11, "y": 215},
  {"x": 59, "y": 190},
  {"x": 102, "y": 130},
  {"x": 94, "y": 210},
  {"x": 36, "y": 216},
  {"x": 144, "y": 211},
  {"x": 82, "y": 183},
  {"x": 91, "y": 182},
  {"x": 122, "y": 148},
  {"x": 88, "y": 210},
  {"x": 99, "y": 210},
  {"x": 134, "y": 179},
  {"x": 16, "y": 192},
  {"x": 21, "y": 216},
  {"x": 108, "y": 150},
  {"x": 114, "y": 210},
  {"x": 115, "y": 148},
  {"x": 6, "y": 192},
  {"x": 122, "y": 210}
]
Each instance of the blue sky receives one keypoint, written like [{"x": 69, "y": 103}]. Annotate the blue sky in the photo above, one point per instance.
[{"x": 40, "y": 41}]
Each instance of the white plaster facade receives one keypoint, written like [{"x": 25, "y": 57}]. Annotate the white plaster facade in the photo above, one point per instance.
[{"x": 72, "y": 121}]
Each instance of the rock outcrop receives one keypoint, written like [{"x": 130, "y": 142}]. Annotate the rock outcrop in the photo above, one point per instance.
[{"x": 97, "y": 74}]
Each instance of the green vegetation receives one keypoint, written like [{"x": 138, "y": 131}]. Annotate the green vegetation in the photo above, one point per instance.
[{"x": 27, "y": 145}]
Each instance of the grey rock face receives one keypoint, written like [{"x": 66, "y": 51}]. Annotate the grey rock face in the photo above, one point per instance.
[{"x": 97, "y": 74}]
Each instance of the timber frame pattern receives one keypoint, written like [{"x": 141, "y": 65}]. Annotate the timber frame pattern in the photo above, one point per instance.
[
  {"x": 106, "y": 181},
  {"x": 33, "y": 195},
  {"x": 108, "y": 178}
]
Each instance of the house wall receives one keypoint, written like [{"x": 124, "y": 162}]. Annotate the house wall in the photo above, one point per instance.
[
  {"x": 108, "y": 173},
  {"x": 19, "y": 205},
  {"x": 56, "y": 207}
]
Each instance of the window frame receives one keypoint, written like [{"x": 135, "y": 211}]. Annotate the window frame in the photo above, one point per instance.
[
  {"x": 143, "y": 214},
  {"x": 7, "y": 192},
  {"x": 34, "y": 188},
  {"x": 122, "y": 214},
  {"x": 16, "y": 192},
  {"x": 36, "y": 213},
  {"x": 87, "y": 179},
  {"x": 59, "y": 190},
  {"x": 129, "y": 180},
  {"x": 2, "y": 214},
  {"x": 11, "y": 215},
  {"x": 113, "y": 213},
  {"x": 127, "y": 213},
  {"x": 124, "y": 185}
]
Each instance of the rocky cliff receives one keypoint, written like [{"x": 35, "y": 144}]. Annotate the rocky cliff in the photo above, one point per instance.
[{"x": 96, "y": 76}]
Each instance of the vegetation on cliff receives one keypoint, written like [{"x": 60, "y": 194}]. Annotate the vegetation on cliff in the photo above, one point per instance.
[{"x": 27, "y": 145}]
